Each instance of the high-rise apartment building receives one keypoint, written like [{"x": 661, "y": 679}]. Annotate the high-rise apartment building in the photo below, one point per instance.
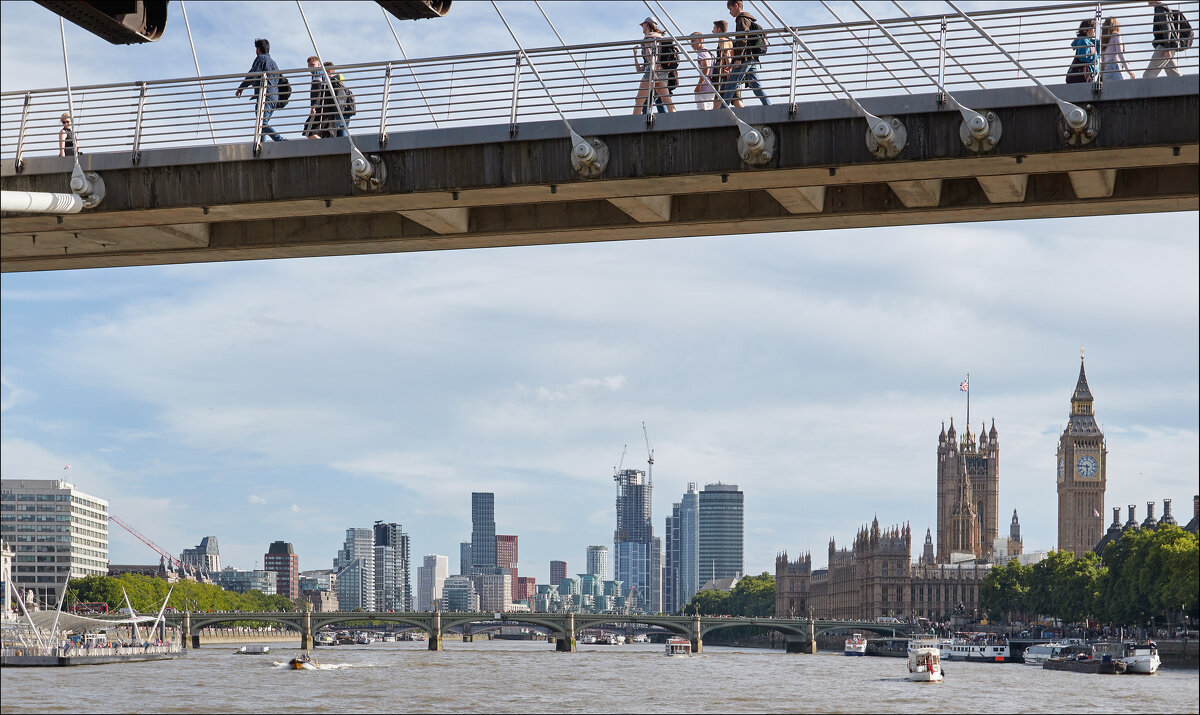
[
  {"x": 56, "y": 532},
  {"x": 393, "y": 588},
  {"x": 526, "y": 588},
  {"x": 495, "y": 591},
  {"x": 721, "y": 531},
  {"x": 506, "y": 559},
  {"x": 681, "y": 572},
  {"x": 355, "y": 566},
  {"x": 431, "y": 577},
  {"x": 597, "y": 562},
  {"x": 558, "y": 571},
  {"x": 459, "y": 594},
  {"x": 1082, "y": 474},
  {"x": 483, "y": 532},
  {"x": 637, "y": 553},
  {"x": 205, "y": 558},
  {"x": 464, "y": 558},
  {"x": 285, "y": 562}
]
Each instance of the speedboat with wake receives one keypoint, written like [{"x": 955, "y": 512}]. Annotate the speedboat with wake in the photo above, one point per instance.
[{"x": 304, "y": 661}]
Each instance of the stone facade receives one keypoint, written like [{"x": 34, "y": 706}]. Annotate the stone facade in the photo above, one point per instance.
[
  {"x": 968, "y": 492},
  {"x": 1082, "y": 475},
  {"x": 876, "y": 578}
]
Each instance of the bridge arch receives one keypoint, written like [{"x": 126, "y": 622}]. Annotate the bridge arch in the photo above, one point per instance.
[
  {"x": 766, "y": 623},
  {"x": 675, "y": 624},
  {"x": 555, "y": 624},
  {"x": 293, "y": 622},
  {"x": 425, "y": 624}
]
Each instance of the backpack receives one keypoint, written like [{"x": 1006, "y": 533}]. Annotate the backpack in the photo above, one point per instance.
[
  {"x": 284, "y": 89},
  {"x": 756, "y": 41},
  {"x": 1181, "y": 29},
  {"x": 668, "y": 55},
  {"x": 345, "y": 99}
]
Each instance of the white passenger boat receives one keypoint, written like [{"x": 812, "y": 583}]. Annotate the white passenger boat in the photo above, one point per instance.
[
  {"x": 253, "y": 650},
  {"x": 641, "y": 638},
  {"x": 856, "y": 644},
  {"x": 587, "y": 640},
  {"x": 679, "y": 646},
  {"x": 979, "y": 647},
  {"x": 1038, "y": 653},
  {"x": 326, "y": 639},
  {"x": 942, "y": 644},
  {"x": 1141, "y": 657},
  {"x": 925, "y": 665}
]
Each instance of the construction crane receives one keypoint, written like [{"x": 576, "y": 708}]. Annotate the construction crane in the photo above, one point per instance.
[
  {"x": 649, "y": 456},
  {"x": 617, "y": 469},
  {"x": 146, "y": 540}
]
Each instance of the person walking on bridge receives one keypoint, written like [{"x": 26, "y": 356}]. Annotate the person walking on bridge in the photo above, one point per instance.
[
  {"x": 66, "y": 137},
  {"x": 1112, "y": 51},
  {"x": 1083, "y": 65},
  {"x": 749, "y": 45},
  {"x": 264, "y": 63},
  {"x": 1172, "y": 33}
]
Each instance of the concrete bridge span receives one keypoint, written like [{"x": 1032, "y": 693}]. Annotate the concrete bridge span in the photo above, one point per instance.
[{"x": 682, "y": 176}]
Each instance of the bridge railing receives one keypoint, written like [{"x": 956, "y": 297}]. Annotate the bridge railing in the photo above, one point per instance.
[{"x": 499, "y": 88}]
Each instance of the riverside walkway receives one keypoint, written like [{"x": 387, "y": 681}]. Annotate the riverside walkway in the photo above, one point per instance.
[
  {"x": 565, "y": 626},
  {"x": 939, "y": 118}
]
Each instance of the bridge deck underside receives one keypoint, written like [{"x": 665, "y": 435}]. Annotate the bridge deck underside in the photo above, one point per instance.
[{"x": 666, "y": 182}]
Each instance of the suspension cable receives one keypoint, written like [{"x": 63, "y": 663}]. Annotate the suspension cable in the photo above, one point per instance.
[
  {"x": 574, "y": 137},
  {"x": 1075, "y": 117},
  {"x": 866, "y": 47},
  {"x": 359, "y": 166},
  {"x": 969, "y": 115},
  {"x": 820, "y": 78},
  {"x": 930, "y": 37},
  {"x": 62, "y": 31},
  {"x": 854, "y": 102},
  {"x": 417, "y": 82},
  {"x": 199, "y": 77},
  {"x": 563, "y": 42}
]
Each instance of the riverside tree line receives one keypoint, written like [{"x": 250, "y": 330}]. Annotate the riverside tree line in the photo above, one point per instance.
[{"x": 1141, "y": 575}]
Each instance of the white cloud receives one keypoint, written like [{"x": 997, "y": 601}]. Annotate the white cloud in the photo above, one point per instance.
[{"x": 255, "y": 499}]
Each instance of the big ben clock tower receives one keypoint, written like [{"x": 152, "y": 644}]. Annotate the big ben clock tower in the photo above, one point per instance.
[{"x": 1081, "y": 474}]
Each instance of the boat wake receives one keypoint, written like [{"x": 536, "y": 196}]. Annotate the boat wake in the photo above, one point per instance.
[{"x": 277, "y": 665}]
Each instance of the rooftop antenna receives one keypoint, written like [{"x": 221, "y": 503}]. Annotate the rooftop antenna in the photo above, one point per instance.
[{"x": 649, "y": 456}]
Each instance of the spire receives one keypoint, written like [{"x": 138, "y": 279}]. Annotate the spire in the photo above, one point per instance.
[
  {"x": 992, "y": 433},
  {"x": 942, "y": 436},
  {"x": 1082, "y": 393}
]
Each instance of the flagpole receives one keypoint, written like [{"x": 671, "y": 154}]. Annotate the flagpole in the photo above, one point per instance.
[{"x": 968, "y": 402}]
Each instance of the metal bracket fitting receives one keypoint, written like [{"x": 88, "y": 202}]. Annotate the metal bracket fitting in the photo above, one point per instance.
[
  {"x": 1086, "y": 130},
  {"x": 981, "y": 133},
  {"x": 589, "y": 157},
  {"x": 756, "y": 145},
  {"x": 886, "y": 137},
  {"x": 87, "y": 186},
  {"x": 368, "y": 173}
]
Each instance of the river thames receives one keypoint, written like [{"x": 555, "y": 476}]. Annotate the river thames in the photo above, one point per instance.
[{"x": 528, "y": 676}]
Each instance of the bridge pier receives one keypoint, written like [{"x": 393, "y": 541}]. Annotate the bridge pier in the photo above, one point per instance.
[
  {"x": 697, "y": 642},
  {"x": 564, "y": 642},
  {"x": 306, "y": 632},
  {"x": 467, "y": 637},
  {"x": 186, "y": 631},
  {"x": 435, "y": 633}
]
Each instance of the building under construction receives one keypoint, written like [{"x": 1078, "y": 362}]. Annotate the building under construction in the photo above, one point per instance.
[{"x": 637, "y": 553}]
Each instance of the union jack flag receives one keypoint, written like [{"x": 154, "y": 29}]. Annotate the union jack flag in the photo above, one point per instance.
[
  {"x": 963, "y": 386},
  {"x": 1095, "y": 513}
]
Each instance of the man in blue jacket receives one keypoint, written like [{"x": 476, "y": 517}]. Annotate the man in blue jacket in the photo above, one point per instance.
[{"x": 264, "y": 63}]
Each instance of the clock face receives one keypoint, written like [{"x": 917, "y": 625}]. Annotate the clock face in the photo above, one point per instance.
[{"x": 1086, "y": 466}]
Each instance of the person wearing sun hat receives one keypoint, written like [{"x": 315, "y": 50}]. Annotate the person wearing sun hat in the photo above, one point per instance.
[{"x": 654, "y": 78}]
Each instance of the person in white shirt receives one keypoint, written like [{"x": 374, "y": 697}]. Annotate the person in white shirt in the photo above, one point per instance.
[
  {"x": 1112, "y": 52},
  {"x": 706, "y": 93}
]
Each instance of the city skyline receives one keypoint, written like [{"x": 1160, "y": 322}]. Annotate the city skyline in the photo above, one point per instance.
[{"x": 285, "y": 400}]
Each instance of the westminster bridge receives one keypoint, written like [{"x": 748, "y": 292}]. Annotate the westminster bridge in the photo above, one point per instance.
[{"x": 565, "y": 627}]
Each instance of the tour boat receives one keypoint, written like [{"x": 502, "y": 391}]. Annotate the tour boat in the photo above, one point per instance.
[
  {"x": 253, "y": 650},
  {"x": 679, "y": 646},
  {"x": 925, "y": 665},
  {"x": 326, "y": 639},
  {"x": 587, "y": 640},
  {"x": 304, "y": 661},
  {"x": 1141, "y": 657},
  {"x": 980, "y": 647},
  {"x": 856, "y": 644}
]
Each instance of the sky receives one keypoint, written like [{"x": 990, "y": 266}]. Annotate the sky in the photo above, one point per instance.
[{"x": 292, "y": 399}]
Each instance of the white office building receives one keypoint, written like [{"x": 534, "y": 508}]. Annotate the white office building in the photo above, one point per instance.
[
  {"x": 56, "y": 532},
  {"x": 431, "y": 577}
]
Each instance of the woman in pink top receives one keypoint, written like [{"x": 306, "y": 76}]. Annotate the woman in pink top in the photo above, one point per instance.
[{"x": 1112, "y": 52}]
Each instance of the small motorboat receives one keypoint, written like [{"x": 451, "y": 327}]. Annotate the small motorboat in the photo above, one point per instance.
[
  {"x": 925, "y": 665},
  {"x": 253, "y": 650},
  {"x": 304, "y": 661}
]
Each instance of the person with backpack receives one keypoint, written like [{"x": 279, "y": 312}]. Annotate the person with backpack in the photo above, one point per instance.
[
  {"x": 264, "y": 63},
  {"x": 1172, "y": 33},
  {"x": 344, "y": 100},
  {"x": 1083, "y": 64},
  {"x": 650, "y": 58},
  {"x": 750, "y": 45}
]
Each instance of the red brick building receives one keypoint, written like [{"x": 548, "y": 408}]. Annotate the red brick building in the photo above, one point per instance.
[{"x": 285, "y": 562}]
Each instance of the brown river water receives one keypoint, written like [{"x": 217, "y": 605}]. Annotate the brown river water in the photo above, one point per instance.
[{"x": 528, "y": 676}]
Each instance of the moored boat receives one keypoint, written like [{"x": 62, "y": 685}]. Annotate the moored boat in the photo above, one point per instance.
[
  {"x": 1141, "y": 657},
  {"x": 253, "y": 650},
  {"x": 925, "y": 665},
  {"x": 856, "y": 644},
  {"x": 1038, "y": 653},
  {"x": 1096, "y": 659},
  {"x": 326, "y": 639},
  {"x": 679, "y": 646},
  {"x": 980, "y": 647},
  {"x": 304, "y": 661}
]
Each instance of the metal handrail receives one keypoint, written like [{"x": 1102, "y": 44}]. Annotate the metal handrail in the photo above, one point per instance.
[{"x": 586, "y": 80}]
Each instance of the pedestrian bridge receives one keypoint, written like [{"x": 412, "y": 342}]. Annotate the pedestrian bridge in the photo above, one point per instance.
[
  {"x": 564, "y": 626},
  {"x": 901, "y": 121}
]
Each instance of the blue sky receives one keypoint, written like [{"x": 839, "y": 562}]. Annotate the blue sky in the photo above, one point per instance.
[{"x": 293, "y": 399}]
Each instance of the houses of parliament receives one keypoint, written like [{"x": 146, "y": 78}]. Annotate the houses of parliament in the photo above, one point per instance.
[{"x": 876, "y": 576}]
